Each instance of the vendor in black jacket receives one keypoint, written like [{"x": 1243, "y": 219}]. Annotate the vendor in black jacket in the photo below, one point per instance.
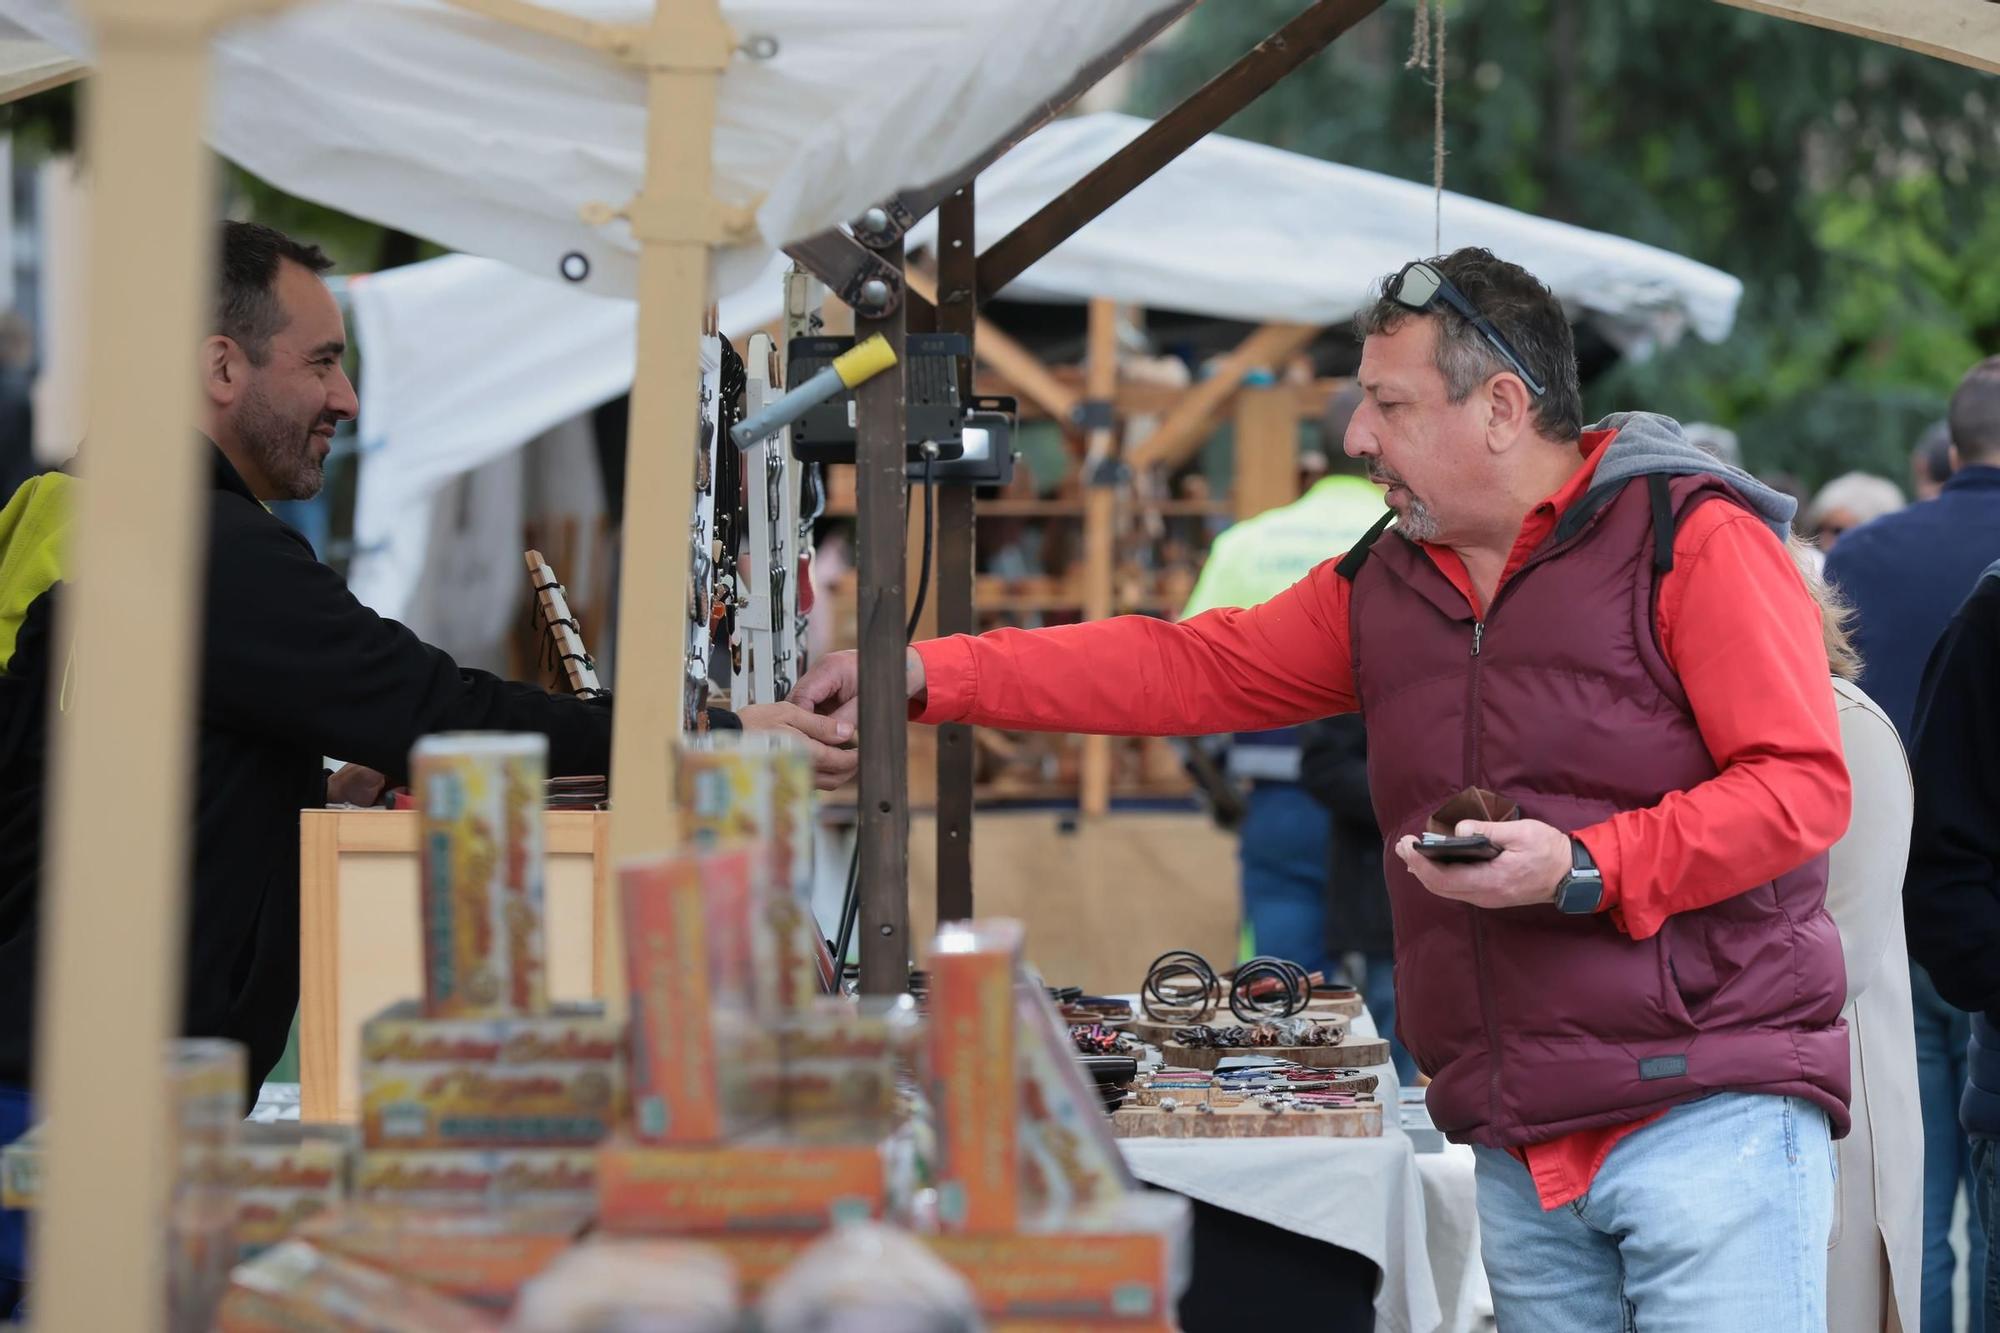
[
  {"x": 1951, "y": 897},
  {"x": 293, "y": 668}
]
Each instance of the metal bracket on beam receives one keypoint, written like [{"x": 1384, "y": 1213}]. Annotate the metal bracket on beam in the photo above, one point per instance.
[
  {"x": 719, "y": 224},
  {"x": 885, "y": 224},
  {"x": 852, "y": 272},
  {"x": 1094, "y": 414}
]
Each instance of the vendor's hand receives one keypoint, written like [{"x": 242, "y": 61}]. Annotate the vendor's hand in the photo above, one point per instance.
[
  {"x": 833, "y": 682},
  {"x": 352, "y": 784},
  {"x": 1533, "y": 859},
  {"x": 829, "y": 739}
]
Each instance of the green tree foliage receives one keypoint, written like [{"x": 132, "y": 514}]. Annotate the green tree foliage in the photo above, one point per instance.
[{"x": 1851, "y": 186}]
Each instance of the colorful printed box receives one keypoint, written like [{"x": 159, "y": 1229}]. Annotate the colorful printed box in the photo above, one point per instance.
[
  {"x": 839, "y": 1068},
  {"x": 1067, "y": 1275},
  {"x": 478, "y": 1178},
  {"x": 544, "y": 1082},
  {"x": 693, "y": 1190},
  {"x": 299, "y": 1288},
  {"x": 755, "y": 789},
  {"x": 703, "y": 1066},
  {"x": 973, "y": 1070},
  {"x": 279, "y": 1175},
  {"x": 480, "y": 1258},
  {"x": 481, "y": 800}
]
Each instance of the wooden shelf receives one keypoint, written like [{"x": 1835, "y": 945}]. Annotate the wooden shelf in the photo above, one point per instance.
[
  {"x": 1073, "y": 509},
  {"x": 986, "y": 792},
  {"x": 1034, "y": 605}
]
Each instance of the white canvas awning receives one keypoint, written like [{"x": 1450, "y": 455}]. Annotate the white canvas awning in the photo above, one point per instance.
[{"x": 487, "y": 139}]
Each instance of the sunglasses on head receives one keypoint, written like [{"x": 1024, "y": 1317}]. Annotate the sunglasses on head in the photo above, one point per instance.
[{"x": 1419, "y": 286}]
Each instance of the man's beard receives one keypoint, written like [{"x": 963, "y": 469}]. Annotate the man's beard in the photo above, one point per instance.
[
  {"x": 282, "y": 448},
  {"x": 1416, "y": 521}
]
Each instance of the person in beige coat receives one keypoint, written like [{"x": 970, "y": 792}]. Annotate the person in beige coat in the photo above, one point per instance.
[{"x": 1875, "y": 1254}]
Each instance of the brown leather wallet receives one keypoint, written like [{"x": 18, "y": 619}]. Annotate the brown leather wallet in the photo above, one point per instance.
[{"x": 1472, "y": 803}]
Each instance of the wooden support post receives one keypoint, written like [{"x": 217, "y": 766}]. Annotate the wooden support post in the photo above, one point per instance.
[
  {"x": 1183, "y": 429},
  {"x": 952, "y": 580},
  {"x": 1167, "y": 138},
  {"x": 1267, "y": 448},
  {"x": 880, "y": 484},
  {"x": 111, "y": 963},
  {"x": 1101, "y": 479},
  {"x": 675, "y": 220}
]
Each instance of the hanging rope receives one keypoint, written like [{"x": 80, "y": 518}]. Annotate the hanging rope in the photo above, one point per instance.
[{"x": 1427, "y": 53}]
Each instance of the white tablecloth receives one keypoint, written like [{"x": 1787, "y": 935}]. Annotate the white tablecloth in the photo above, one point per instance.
[{"x": 1410, "y": 1214}]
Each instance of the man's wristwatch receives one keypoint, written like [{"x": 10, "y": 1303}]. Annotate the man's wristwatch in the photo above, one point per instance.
[{"x": 1581, "y": 891}]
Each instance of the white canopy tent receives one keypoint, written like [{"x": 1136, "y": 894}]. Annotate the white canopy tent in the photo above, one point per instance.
[
  {"x": 492, "y": 140},
  {"x": 467, "y": 360}
]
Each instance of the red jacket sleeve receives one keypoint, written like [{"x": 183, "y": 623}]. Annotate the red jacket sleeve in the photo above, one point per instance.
[
  {"x": 1284, "y": 662},
  {"x": 1743, "y": 634}
]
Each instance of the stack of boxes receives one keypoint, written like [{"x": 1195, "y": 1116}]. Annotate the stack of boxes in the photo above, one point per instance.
[
  {"x": 483, "y": 1103},
  {"x": 763, "y": 1112},
  {"x": 1035, "y": 1207}
]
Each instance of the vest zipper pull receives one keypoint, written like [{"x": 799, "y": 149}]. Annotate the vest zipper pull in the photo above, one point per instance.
[{"x": 1478, "y": 633}]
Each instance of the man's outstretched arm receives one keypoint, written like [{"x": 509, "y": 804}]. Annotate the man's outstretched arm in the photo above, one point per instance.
[{"x": 1274, "y": 665}]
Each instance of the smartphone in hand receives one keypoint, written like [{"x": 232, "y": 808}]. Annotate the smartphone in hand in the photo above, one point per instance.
[{"x": 1448, "y": 850}]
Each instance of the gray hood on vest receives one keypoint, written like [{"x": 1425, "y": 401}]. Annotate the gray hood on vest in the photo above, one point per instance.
[{"x": 1649, "y": 443}]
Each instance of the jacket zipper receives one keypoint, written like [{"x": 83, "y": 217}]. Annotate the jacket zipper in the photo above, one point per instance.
[{"x": 1486, "y": 993}]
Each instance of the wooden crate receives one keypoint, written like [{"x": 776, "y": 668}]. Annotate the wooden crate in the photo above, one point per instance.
[{"x": 360, "y": 941}]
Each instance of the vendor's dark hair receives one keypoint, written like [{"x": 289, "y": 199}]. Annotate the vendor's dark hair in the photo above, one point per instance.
[
  {"x": 1528, "y": 316},
  {"x": 1975, "y": 413},
  {"x": 246, "y": 279}
]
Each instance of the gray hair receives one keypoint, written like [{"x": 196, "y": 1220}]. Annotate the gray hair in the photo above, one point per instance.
[
  {"x": 1526, "y": 313},
  {"x": 1862, "y": 494}
]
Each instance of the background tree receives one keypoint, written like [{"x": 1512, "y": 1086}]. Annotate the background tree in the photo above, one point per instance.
[{"x": 1850, "y": 185}]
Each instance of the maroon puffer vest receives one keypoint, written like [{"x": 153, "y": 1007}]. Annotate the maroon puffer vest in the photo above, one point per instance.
[{"x": 1533, "y": 1024}]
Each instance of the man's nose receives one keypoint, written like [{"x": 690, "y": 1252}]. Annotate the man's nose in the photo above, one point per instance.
[{"x": 342, "y": 402}]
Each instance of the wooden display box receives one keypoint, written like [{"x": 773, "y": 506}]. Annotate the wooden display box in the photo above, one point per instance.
[{"x": 360, "y": 944}]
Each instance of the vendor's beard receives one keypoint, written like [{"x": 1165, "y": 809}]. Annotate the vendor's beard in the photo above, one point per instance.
[
  {"x": 282, "y": 448},
  {"x": 1416, "y": 521}
]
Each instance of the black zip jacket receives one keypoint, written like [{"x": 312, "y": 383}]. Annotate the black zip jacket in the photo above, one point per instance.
[{"x": 293, "y": 668}]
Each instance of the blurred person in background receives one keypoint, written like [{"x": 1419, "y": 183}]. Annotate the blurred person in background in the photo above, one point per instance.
[
  {"x": 1932, "y": 461},
  {"x": 1847, "y": 502},
  {"x": 1718, "y": 441},
  {"x": 1283, "y": 840},
  {"x": 1875, "y": 1261},
  {"x": 1952, "y": 897},
  {"x": 1906, "y": 574},
  {"x": 17, "y": 405},
  {"x": 1333, "y": 766}
]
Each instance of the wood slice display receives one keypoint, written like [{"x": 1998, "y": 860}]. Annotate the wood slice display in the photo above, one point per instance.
[
  {"x": 1248, "y": 1121},
  {"x": 1354, "y": 1054}
]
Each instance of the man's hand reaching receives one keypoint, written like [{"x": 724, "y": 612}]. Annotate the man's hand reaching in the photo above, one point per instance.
[
  {"x": 832, "y": 684},
  {"x": 830, "y": 739}
]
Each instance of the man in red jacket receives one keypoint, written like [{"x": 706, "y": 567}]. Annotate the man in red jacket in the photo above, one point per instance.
[{"x": 1632, "y": 1010}]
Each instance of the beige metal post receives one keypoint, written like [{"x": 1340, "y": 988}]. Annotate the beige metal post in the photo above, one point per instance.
[{"x": 111, "y": 960}]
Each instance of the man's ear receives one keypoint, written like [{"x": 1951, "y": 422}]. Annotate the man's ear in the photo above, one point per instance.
[
  {"x": 1510, "y": 412},
  {"x": 222, "y": 369}
]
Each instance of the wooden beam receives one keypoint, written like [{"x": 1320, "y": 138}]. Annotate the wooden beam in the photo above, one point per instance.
[
  {"x": 1965, "y": 31},
  {"x": 1100, "y": 519},
  {"x": 882, "y": 606},
  {"x": 1267, "y": 448},
  {"x": 1142, "y": 398},
  {"x": 1167, "y": 138},
  {"x": 113, "y": 898},
  {"x": 953, "y": 578},
  {"x": 1188, "y": 424},
  {"x": 1024, "y": 370}
]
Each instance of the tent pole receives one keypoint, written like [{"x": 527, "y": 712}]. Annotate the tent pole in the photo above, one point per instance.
[
  {"x": 957, "y": 545},
  {"x": 1168, "y": 137},
  {"x": 111, "y": 958},
  {"x": 1102, "y": 477},
  {"x": 675, "y": 221},
  {"x": 880, "y": 495}
]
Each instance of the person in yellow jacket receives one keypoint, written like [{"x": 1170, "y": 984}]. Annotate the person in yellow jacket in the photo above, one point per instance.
[{"x": 1284, "y": 837}]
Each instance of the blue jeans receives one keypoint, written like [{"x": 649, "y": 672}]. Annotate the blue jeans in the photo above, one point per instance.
[
  {"x": 1282, "y": 849},
  {"x": 1942, "y": 1034},
  {"x": 1716, "y": 1216},
  {"x": 1986, "y": 1214},
  {"x": 15, "y": 1120}
]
